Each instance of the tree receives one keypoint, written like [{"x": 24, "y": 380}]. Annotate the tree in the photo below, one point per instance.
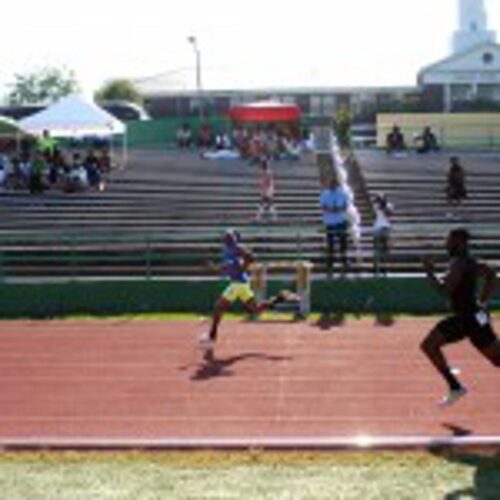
[
  {"x": 119, "y": 90},
  {"x": 45, "y": 86},
  {"x": 342, "y": 122}
]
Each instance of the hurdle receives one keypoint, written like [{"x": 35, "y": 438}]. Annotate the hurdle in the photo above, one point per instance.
[{"x": 301, "y": 268}]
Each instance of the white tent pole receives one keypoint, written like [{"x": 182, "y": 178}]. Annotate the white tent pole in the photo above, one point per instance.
[{"x": 124, "y": 149}]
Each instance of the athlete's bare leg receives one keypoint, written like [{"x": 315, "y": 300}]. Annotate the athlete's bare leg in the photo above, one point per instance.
[
  {"x": 432, "y": 348},
  {"x": 492, "y": 353},
  {"x": 220, "y": 308},
  {"x": 257, "y": 308}
]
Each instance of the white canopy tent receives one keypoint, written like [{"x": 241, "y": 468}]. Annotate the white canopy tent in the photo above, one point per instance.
[{"x": 76, "y": 116}]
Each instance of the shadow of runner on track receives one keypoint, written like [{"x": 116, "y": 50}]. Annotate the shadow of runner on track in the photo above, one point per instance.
[
  {"x": 328, "y": 320},
  {"x": 486, "y": 476},
  {"x": 338, "y": 319},
  {"x": 212, "y": 367},
  {"x": 384, "y": 319},
  {"x": 457, "y": 431}
]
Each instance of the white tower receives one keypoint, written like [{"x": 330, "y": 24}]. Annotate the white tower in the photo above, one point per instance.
[{"x": 473, "y": 28}]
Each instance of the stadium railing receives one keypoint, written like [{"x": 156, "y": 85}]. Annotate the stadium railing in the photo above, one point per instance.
[{"x": 69, "y": 255}]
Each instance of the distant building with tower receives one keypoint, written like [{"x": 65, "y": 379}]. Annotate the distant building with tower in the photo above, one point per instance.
[
  {"x": 467, "y": 80},
  {"x": 472, "y": 72},
  {"x": 473, "y": 27}
]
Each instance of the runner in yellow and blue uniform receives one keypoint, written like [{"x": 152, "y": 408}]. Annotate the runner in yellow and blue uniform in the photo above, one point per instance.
[{"x": 236, "y": 260}]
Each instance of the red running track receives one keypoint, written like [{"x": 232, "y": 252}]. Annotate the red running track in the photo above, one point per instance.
[{"x": 127, "y": 382}]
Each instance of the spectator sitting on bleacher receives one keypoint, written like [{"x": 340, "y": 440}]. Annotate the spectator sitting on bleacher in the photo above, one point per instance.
[
  {"x": 24, "y": 168},
  {"x": 395, "y": 141},
  {"x": 57, "y": 168},
  {"x": 105, "y": 162},
  {"x": 291, "y": 149},
  {"x": 205, "y": 137},
  {"x": 91, "y": 164},
  {"x": 77, "y": 179},
  {"x": 225, "y": 142},
  {"x": 222, "y": 142},
  {"x": 428, "y": 141},
  {"x": 184, "y": 136},
  {"x": 456, "y": 190},
  {"x": 15, "y": 178},
  {"x": 220, "y": 149}
]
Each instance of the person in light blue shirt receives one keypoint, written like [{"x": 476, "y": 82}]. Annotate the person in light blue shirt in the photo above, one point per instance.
[{"x": 334, "y": 202}]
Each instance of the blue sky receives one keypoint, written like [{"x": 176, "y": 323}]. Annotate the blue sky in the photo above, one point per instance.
[{"x": 255, "y": 44}]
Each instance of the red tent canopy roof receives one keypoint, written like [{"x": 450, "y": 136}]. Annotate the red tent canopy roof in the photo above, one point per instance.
[{"x": 265, "y": 111}]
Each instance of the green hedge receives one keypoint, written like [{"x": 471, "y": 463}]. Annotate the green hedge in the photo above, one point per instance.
[{"x": 407, "y": 296}]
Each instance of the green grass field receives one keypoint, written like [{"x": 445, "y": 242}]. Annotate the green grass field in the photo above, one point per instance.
[{"x": 252, "y": 475}]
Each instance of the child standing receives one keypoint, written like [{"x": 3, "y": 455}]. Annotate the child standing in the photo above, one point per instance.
[
  {"x": 266, "y": 192},
  {"x": 381, "y": 232}
]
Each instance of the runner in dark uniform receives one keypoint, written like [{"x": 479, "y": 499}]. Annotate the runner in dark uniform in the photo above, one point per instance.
[{"x": 469, "y": 316}]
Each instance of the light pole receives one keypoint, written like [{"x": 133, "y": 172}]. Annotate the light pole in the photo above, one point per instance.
[{"x": 194, "y": 42}]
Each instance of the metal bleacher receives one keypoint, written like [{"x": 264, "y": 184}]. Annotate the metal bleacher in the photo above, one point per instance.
[
  {"x": 415, "y": 184},
  {"x": 163, "y": 215}
]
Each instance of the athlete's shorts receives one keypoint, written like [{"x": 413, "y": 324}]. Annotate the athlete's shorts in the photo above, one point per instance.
[
  {"x": 238, "y": 291},
  {"x": 477, "y": 328}
]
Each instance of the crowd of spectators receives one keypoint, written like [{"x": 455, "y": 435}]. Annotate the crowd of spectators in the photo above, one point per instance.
[
  {"x": 43, "y": 165},
  {"x": 248, "y": 143}
]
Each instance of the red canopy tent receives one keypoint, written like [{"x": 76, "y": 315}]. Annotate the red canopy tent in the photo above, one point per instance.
[{"x": 265, "y": 112}]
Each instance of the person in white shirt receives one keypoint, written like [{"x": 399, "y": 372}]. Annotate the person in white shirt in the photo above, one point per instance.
[
  {"x": 77, "y": 178},
  {"x": 381, "y": 232}
]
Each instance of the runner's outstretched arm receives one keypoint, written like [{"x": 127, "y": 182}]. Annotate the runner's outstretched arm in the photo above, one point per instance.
[{"x": 489, "y": 284}]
